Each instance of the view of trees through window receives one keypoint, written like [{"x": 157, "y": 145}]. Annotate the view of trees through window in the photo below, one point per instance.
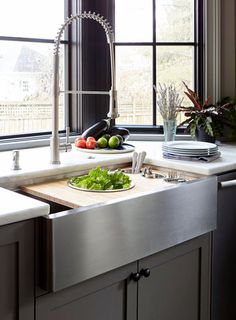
[
  {"x": 154, "y": 44},
  {"x": 27, "y": 31}
]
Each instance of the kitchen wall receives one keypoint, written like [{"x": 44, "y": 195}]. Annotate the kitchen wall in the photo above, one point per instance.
[{"x": 228, "y": 48}]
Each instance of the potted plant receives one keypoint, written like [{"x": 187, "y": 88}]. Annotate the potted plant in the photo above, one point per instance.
[
  {"x": 228, "y": 120},
  {"x": 204, "y": 120}
]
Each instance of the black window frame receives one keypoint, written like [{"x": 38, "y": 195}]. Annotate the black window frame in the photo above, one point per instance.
[
  {"x": 87, "y": 66},
  {"x": 107, "y": 8},
  {"x": 197, "y": 44},
  {"x": 66, "y": 41}
]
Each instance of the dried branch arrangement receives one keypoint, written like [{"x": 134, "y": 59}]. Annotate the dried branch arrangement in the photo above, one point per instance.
[{"x": 168, "y": 100}]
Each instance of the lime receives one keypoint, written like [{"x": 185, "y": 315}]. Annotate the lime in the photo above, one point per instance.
[
  {"x": 102, "y": 142},
  {"x": 114, "y": 142},
  {"x": 120, "y": 138}
]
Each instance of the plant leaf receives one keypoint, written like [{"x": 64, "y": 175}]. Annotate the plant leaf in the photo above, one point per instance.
[
  {"x": 193, "y": 128},
  {"x": 194, "y": 100},
  {"x": 184, "y": 122},
  {"x": 208, "y": 128}
]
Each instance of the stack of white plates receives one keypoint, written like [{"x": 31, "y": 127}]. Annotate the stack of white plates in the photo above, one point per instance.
[{"x": 190, "y": 148}]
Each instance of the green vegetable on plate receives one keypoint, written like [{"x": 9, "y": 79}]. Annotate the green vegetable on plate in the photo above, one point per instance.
[
  {"x": 102, "y": 142},
  {"x": 114, "y": 142},
  {"x": 102, "y": 179}
]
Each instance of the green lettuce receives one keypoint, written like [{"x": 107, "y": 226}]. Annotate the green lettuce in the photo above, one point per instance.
[{"x": 102, "y": 179}]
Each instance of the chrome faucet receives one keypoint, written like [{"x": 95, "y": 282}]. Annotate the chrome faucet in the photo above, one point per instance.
[{"x": 113, "y": 112}]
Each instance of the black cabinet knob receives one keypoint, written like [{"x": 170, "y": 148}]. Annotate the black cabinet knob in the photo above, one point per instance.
[
  {"x": 145, "y": 272},
  {"x": 135, "y": 276}
]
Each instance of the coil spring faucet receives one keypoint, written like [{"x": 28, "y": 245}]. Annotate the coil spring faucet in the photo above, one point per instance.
[{"x": 113, "y": 112}]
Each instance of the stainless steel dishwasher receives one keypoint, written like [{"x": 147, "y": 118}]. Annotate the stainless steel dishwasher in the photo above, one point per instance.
[{"x": 224, "y": 251}]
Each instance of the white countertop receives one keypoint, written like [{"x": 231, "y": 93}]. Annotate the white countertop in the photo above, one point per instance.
[
  {"x": 35, "y": 163},
  {"x": 226, "y": 162},
  {"x": 35, "y": 167},
  {"x": 16, "y": 207}
]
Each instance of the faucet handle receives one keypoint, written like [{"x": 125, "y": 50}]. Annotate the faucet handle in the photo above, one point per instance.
[
  {"x": 66, "y": 147},
  {"x": 67, "y": 135},
  {"x": 15, "y": 158}
]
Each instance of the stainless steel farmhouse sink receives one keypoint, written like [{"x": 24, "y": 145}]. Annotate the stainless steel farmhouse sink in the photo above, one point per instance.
[{"x": 84, "y": 242}]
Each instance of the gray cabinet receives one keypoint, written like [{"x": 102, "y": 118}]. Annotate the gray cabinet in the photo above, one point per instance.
[
  {"x": 177, "y": 288},
  {"x": 17, "y": 271},
  {"x": 104, "y": 297}
]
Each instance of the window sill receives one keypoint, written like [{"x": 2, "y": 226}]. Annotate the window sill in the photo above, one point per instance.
[
  {"x": 29, "y": 142},
  {"x": 156, "y": 137},
  {"x": 42, "y": 141}
]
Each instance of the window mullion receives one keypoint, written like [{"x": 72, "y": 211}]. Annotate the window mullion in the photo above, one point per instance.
[{"x": 154, "y": 76}]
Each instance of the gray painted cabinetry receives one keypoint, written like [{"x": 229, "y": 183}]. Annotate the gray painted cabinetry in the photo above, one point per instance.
[
  {"x": 178, "y": 287},
  {"x": 224, "y": 251},
  {"x": 170, "y": 285},
  {"x": 17, "y": 271},
  {"x": 103, "y": 297}
]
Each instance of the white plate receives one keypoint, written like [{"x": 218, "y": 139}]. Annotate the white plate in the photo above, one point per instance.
[
  {"x": 190, "y": 148},
  {"x": 191, "y": 155},
  {"x": 190, "y": 152},
  {"x": 126, "y": 148},
  {"x": 190, "y": 145},
  {"x": 103, "y": 191}
]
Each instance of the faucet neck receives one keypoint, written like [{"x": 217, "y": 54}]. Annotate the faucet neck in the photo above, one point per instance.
[{"x": 113, "y": 113}]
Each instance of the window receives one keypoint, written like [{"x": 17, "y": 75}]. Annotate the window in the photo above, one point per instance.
[
  {"x": 157, "y": 41},
  {"x": 27, "y": 31}
]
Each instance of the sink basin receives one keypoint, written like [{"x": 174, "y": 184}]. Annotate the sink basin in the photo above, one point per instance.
[
  {"x": 59, "y": 192},
  {"x": 87, "y": 241}
]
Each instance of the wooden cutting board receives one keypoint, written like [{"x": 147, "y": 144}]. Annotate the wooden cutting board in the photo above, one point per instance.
[{"x": 58, "y": 191}]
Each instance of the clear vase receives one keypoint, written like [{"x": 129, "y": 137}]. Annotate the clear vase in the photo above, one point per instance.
[{"x": 169, "y": 127}]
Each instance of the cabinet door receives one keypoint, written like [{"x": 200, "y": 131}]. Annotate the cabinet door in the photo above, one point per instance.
[
  {"x": 178, "y": 285},
  {"x": 109, "y": 296},
  {"x": 17, "y": 271}
]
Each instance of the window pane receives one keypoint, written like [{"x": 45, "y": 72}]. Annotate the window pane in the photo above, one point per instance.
[
  {"x": 175, "y": 20},
  {"x": 134, "y": 84},
  {"x": 30, "y": 18},
  {"x": 26, "y": 88},
  {"x": 133, "y": 20},
  {"x": 175, "y": 65}
]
